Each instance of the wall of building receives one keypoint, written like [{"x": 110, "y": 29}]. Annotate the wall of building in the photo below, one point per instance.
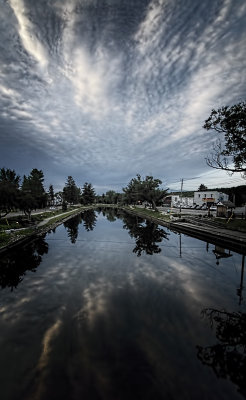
[{"x": 209, "y": 197}]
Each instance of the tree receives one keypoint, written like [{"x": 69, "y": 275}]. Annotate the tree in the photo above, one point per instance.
[
  {"x": 88, "y": 194},
  {"x": 112, "y": 197},
  {"x": 146, "y": 189},
  {"x": 51, "y": 195},
  {"x": 202, "y": 187},
  {"x": 71, "y": 192},
  {"x": 228, "y": 154},
  {"x": 32, "y": 193},
  {"x": 9, "y": 190}
]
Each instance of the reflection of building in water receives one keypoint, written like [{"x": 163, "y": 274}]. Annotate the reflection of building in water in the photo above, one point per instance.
[{"x": 220, "y": 252}]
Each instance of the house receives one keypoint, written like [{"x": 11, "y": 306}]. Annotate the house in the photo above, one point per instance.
[
  {"x": 175, "y": 200},
  {"x": 209, "y": 197},
  {"x": 171, "y": 200}
]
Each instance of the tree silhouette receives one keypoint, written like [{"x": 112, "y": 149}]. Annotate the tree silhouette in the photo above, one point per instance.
[
  {"x": 13, "y": 266},
  {"x": 230, "y": 122},
  {"x": 9, "y": 190},
  {"x": 228, "y": 357},
  {"x": 147, "y": 189},
  {"x": 88, "y": 194},
  {"x": 72, "y": 227},
  {"x": 147, "y": 236},
  {"x": 71, "y": 192},
  {"x": 89, "y": 217}
]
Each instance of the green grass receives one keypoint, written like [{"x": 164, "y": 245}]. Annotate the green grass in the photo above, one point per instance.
[
  {"x": 233, "y": 224},
  {"x": 150, "y": 213},
  {"x": 4, "y": 238},
  {"x": 7, "y": 238}
]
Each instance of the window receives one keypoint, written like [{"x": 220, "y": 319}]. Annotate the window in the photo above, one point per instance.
[
  {"x": 211, "y": 195},
  {"x": 199, "y": 195},
  {"x": 205, "y": 196}
]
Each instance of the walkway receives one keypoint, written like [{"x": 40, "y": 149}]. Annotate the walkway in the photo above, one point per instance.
[{"x": 67, "y": 213}]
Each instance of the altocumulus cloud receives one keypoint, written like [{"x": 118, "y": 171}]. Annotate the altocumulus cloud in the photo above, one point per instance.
[{"x": 105, "y": 90}]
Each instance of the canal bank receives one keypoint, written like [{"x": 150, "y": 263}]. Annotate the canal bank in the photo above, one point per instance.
[
  {"x": 106, "y": 287},
  {"x": 197, "y": 228},
  {"x": 22, "y": 236},
  {"x": 200, "y": 228}
]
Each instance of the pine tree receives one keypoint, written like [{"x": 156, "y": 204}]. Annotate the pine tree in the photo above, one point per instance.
[
  {"x": 71, "y": 192},
  {"x": 88, "y": 194},
  {"x": 51, "y": 195},
  {"x": 9, "y": 190}
]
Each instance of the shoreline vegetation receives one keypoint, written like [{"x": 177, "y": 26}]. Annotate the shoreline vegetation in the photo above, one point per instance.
[
  {"x": 214, "y": 230},
  {"x": 41, "y": 224}
]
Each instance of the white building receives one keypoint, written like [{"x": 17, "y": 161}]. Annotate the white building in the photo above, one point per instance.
[
  {"x": 175, "y": 200},
  {"x": 209, "y": 197}
]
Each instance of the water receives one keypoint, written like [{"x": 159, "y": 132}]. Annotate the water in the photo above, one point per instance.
[{"x": 108, "y": 306}]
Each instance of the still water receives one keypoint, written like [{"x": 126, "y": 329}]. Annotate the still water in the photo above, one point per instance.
[{"x": 109, "y": 306}]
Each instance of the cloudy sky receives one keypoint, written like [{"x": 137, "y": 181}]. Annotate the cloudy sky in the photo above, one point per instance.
[{"x": 105, "y": 89}]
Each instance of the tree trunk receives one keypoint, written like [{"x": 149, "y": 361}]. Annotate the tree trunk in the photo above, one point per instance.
[{"x": 154, "y": 205}]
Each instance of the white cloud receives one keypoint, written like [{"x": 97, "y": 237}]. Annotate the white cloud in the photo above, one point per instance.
[{"x": 27, "y": 33}]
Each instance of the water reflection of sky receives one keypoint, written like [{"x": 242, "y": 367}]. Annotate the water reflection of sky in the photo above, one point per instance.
[{"x": 97, "y": 321}]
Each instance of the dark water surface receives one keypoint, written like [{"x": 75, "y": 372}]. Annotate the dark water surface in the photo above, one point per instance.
[{"x": 111, "y": 307}]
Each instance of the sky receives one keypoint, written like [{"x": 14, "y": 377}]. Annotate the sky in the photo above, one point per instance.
[{"x": 103, "y": 90}]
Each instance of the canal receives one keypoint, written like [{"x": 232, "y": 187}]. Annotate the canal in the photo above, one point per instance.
[{"x": 109, "y": 306}]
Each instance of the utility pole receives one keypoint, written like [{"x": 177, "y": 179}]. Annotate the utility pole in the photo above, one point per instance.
[{"x": 181, "y": 191}]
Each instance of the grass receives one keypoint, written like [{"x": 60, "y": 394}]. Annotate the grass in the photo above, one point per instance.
[
  {"x": 233, "y": 224},
  {"x": 4, "y": 238},
  {"x": 21, "y": 221},
  {"x": 18, "y": 222},
  {"x": 150, "y": 213}
]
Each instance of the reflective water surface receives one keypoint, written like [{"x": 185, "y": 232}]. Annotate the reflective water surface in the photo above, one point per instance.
[{"x": 109, "y": 306}]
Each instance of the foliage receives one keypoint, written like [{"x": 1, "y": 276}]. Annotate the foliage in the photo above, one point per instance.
[
  {"x": 202, "y": 187},
  {"x": 51, "y": 195},
  {"x": 71, "y": 193},
  {"x": 72, "y": 226},
  {"x": 9, "y": 190},
  {"x": 111, "y": 197},
  {"x": 146, "y": 189},
  {"x": 227, "y": 357},
  {"x": 88, "y": 194},
  {"x": 147, "y": 235},
  {"x": 32, "y": 194},
  {"x": 13, "y": 266},
  {"x": 89, "y": 217},
  {"x": 230, "y": 122},
  {"x": 64, "y": 206}
]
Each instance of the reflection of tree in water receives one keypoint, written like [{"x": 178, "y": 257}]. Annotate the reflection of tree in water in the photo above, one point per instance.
[
  {"x": 14, "y": 265},
  {"x": 72, "y": 227},
  {"x": 227, "y": 358},
  {"x": 147, "y": 236},
  {"x": 111, "y": 213},
  {"x": 89, "y": 217}
]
